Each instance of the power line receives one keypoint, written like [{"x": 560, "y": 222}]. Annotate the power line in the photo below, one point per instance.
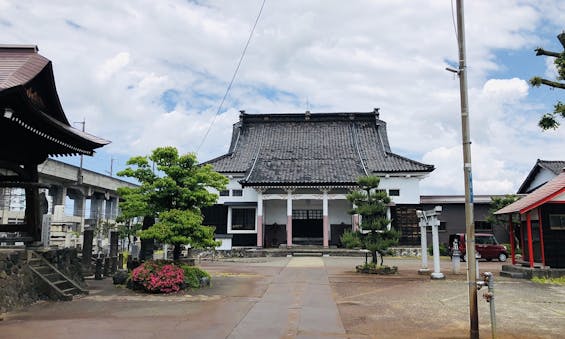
[{"x": 233, "y": 77}]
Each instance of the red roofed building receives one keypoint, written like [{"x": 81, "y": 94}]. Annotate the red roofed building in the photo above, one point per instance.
[{"x": 542, "y": 224}]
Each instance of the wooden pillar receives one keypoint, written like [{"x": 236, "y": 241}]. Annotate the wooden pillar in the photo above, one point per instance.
[
  {"x": 512, "y": 244},
  {"x": 289, "y": 219},
  {"x": 355, "y": 220},
  {"x": 259, "y": 219},
  {"x": 542, "y": 247},
  {"x": 326, "y": 220},
  {"x": 32, "y": 211},
  {"x": 530, "y": 243}
]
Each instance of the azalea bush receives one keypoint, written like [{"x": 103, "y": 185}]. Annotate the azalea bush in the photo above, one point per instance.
[{"x": 156, "y": 277}]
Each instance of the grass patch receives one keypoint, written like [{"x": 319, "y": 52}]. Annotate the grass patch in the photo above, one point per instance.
[{"x": 551, "y": 281}]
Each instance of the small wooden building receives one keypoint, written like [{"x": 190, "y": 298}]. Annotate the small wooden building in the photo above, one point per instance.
[
  {"x": 542, "y": 225},
  {"x": 33, "y": 126}
]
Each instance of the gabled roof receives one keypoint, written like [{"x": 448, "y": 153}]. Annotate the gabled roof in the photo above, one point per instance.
[
  {"x": 554, "y": 166},
  {"x": 543, "y": 194},
  {"x": 33, "y": 121},
  {"x": 318, "y": 148}
]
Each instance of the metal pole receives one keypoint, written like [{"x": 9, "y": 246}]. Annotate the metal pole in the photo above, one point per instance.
[{"x": 469, "y": 218}]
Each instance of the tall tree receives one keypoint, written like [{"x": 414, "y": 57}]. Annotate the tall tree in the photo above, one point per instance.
[
  {"x": 372, "y": 204},
  {"x": 549, "y": 120},
  {"x": 174, "y": 192}
]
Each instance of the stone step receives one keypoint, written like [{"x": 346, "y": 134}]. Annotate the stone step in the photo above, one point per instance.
[
  {"x": 514, "y": 275},
  {"x": 307, "y": 254}
]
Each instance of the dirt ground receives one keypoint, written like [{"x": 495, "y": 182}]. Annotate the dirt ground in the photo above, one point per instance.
[
  {"x": 406, "y": 305},
  {"x": 409, "y": 305}
]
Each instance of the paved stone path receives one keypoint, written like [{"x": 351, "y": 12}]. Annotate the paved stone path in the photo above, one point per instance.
[{"x": 298, "y": 303}]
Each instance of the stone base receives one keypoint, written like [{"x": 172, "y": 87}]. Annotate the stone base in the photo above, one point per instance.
[
  {"x": 423, "y": 271},
  {"x": 437, "y": 276}
]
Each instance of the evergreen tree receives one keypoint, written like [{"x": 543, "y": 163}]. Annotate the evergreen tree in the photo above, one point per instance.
[{"x": 372, "y": 205}]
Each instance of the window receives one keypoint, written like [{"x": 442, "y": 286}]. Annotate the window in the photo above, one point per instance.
[
  {"x": 243, "y": 219},
  {"x": 557, "y": 221},
  {"x": 394, "y": 193},
  {"x": 237, "y": 193},
  {"x": 307, "y": 214},
  {"x": 224, "y": 193},
  {"x": 483, "y": 226}
]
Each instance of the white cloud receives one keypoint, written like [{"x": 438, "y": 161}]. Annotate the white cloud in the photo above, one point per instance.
[
  {"x": 113, "y": 65},
  {"x": 505, "y": 90}
]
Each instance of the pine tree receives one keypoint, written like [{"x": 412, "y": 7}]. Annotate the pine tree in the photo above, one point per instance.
[{"x": 372, "y": 205}]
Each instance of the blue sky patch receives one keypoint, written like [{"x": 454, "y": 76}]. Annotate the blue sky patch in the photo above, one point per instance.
[
  {"x": 73, "y": 24},
  {"x": 170, "y": 99}
]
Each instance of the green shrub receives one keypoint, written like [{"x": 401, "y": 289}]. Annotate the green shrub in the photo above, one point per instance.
[
  {"x": 193, "y": 276},
  {"x": 351, "y": 239},
  {"x": 443, "y": 250},
  {"x": 373, "y": 268}
]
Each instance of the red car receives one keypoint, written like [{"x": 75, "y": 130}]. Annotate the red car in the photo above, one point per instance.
[{"x": 485, "y": 244}]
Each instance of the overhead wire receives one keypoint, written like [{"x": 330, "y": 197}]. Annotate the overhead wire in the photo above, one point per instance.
[{"x": 233, "y": 76}]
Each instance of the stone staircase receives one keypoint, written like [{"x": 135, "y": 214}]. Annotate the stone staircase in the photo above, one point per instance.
[{"x": 60, "y": 286}]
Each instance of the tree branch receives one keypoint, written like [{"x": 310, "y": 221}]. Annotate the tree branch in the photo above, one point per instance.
[
  {"x": 541, "y": 51},
  {"x": 554, "y": 84}
]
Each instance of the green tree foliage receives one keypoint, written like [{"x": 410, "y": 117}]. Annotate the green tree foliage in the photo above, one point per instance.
[
  {"x": 499, "y": 220},
  {"x": 173, "y": 188},
  {"x": 549, "y": 120},
  {"x": 372, "y": 204}
]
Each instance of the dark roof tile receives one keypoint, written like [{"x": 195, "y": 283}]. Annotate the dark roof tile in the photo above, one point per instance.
[{"x": 311, "y": 148}]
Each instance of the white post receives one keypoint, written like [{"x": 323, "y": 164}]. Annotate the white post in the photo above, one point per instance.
[
  {"x": 424, "y": 243},
  {"x": 289, "y": 219},
  {"x": 259, "y": 218},
  {"x": 435, "y": 243},
  {"x": 326, "y": 220}
]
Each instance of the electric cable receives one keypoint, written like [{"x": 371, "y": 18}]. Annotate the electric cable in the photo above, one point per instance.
[{"x": 233, "y": 77}]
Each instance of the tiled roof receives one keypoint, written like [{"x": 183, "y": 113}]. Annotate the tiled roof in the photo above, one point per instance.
[
  {"x": 30, "y": 105},
  {"x": 19, "y": 64},
  {"x": 309, "y": 148},
  {"x": 545, "y": 193},
  {"x": 554, "y": 166}
]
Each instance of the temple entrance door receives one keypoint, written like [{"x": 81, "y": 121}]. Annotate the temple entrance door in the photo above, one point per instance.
[{"x": 307, "y": 227}]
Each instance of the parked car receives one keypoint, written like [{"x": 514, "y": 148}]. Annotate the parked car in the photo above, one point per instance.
[{"x": 485, "y": 244}]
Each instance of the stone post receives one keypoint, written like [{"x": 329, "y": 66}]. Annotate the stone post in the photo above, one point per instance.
[
  {"x": 289, "y": 219},
  {"x": 113, "y": 251},
  {"x": 88, "y": 236}
]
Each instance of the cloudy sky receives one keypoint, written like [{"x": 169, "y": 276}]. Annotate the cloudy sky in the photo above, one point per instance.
[{"x": 152, "y": 73}]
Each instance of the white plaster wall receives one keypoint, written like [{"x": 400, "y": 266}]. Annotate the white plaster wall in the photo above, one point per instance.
[
  {"x": 338, "y": 211},
  {"x": 543, "y": 176},
  {"x": 249, "y": 194},
  {"x": 274, "y": 212},
  {"x": 409, "y": 188}
]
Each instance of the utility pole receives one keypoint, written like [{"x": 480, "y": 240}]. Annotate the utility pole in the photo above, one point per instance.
[
  {"x": 469, "y": 218},
  {"x": 79, "y": 179},
  {"x": 111, "y": 166}
]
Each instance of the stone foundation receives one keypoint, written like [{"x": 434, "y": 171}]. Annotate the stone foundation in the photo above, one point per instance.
[{"x": 20, "y": 287}]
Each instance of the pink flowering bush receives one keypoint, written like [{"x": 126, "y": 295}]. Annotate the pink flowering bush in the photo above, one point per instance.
[{"x": 158, "y": 278}]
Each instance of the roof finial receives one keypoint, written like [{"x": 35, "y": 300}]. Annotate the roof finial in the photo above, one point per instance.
[
  {"x": 307, "y": 115},
  {"x": 376, "y": 111}
]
